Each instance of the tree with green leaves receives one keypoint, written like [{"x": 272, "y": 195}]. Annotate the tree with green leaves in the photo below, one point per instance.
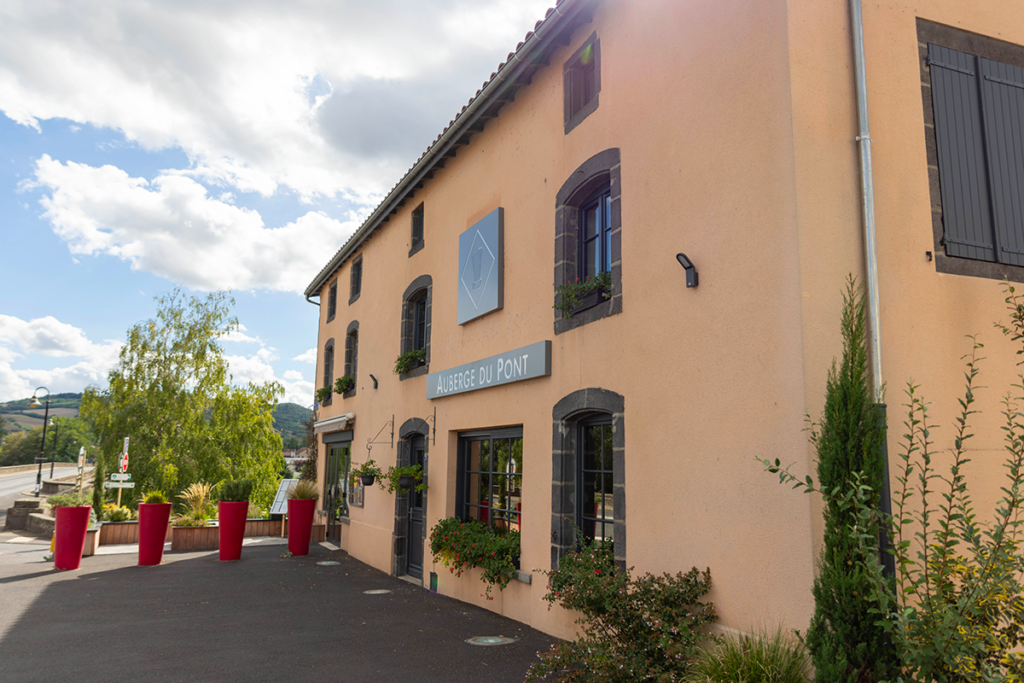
[
  {"x": 846, "y": 643},
  {"x": 172, "y": 395}
]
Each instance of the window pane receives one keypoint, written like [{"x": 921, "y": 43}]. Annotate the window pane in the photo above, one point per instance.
[
  {"x": 591, "y": 444},
  {"x": 590, "y": 259},
  {"x": 517, "y": 455},
  {"x": 590, "y": 227},
  {"x": 473, "y": 489},
  {"x": 607, "y": 447},
  {"x": 588, "y": 498},
  {"x": 502, "y": 455},
  {"x": 485, "y": 456}
]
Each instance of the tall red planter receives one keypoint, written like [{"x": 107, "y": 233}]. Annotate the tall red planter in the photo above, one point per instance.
[
  {"x": 72, "y": 523},
  {"x": 231, "y": 518},
  {"x": 153, "y": 519},
  {"x": 300, "y": 524}
]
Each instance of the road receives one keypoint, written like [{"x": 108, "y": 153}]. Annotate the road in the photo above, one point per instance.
[{"x": 12, "y": 486}]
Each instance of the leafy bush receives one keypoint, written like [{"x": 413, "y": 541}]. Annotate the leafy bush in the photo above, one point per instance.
[
  {"x": 368, "y": 469},
  {"x": 155, "y": 497},
  {"x": 763, "y": 658},
  {"x": 956, "y": 612},
  {"x": 396, "y": 473},
  {"x": 344, "y": 383},
  {"x": 257, "y": 512},
  {"x": 236, "y": 491},
  {"x": 571, "y": 292},
  {"x": 322, "y": 394},
  {"x": 409, "y": 360},
  {"x": 461, "y": 545},
  {"x": 645, "y": 629},
  {"x": 113, "y": 513},
  {"x": 304, "y": 490},
  {"x": 308, "y": 470},
  {"x": 97, "y": 488},
  {"x": 67, "y": 500}
]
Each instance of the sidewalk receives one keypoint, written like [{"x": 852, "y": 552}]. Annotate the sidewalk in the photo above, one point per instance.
[{"x": 263, "y": 618}]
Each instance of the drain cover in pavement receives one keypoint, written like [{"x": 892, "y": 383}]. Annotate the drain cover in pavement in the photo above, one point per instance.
[
  {"x": 377, "y": 591},
  {"x": 490, "y": 640},
  {"x": 327, "y": 563}
]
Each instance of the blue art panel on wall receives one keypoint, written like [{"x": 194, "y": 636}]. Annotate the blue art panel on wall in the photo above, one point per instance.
[{"x": 481, "y": 267}]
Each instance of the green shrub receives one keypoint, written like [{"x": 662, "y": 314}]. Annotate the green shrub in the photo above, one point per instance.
[
  {"x": 97, "y": 488},
  {"x": 461, "y": 545},
  {"x": 409, "y": 360},
  {"x": 343, "y": 384},
  {"x": 67, "y": 500},
  {"x": 645, "y": 629},
  {"x": 571, "y": 292},
  {"x": 236, "y": 491},
  {"x": 762, "y": 658},
  {"x": 304, "y": 490},
  {"x": 155, "y": 497},
  {"x": 113, "y": 513}
]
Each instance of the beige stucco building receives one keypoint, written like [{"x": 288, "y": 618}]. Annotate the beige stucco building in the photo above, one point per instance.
[{"x": 618, "y": 135}]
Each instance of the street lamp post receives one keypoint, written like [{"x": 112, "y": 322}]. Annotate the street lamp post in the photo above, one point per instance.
[
  {"x": 34, "y": 403},
  {"x": 56, "y": 437}
]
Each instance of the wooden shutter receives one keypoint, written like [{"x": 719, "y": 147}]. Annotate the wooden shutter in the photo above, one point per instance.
[
  {"x": 1002, "y": 89},
  {"x": 963, "y": 175}
]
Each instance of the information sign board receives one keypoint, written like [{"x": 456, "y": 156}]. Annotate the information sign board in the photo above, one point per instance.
[
  {"x": 119, "y": 484},
  {"x": 120, "y": 477},
  {"x": 280, "y": 506}
]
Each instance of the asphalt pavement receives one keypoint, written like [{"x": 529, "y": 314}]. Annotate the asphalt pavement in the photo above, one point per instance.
[
  {"x": 264, "y": 618},
  {"x": 12, "y": 486}
]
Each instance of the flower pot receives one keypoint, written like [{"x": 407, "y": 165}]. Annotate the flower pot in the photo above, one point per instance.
[
  {"x": 300, "y": 524},
  {"x": 153, "y": 519},
  {"x": 367, "y": 479},
  {"x": 589, "y": 300},
  {"x": 232, "y": 528},
  {"x": 407, "y": 482},
  {"x": 72, "y": 523}
]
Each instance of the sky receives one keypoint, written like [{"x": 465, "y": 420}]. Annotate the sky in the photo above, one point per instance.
[{"x": 213, "y": 145}]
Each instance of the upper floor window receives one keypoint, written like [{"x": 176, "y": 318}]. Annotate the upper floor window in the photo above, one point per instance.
[
  {"x": 332, "y": 301},
  {"x": 974, "y": 112},
  {"x": 328, "y": 369},
  {"x": 417, "y": 230},
  {"x": 352, "y": 355},
  {"x": 356, "y": 279},
  {"x": 419, "y": 321},
  {"x": 416, "y": 323},
  {"x": 581, "y": 80},
  {"x": 595, "y": 218}
]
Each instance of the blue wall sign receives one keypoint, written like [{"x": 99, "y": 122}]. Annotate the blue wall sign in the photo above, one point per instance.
[{"x": 481, "y": 267}]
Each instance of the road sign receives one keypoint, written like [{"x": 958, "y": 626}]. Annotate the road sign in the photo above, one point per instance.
[
  {"x": 120, "y": 477},
  {"x": 119, "y": 484},
  {"x": 280, "y": 506},
  {"x": 122, "y": 463},
  {"x": 81, "y": 458}
]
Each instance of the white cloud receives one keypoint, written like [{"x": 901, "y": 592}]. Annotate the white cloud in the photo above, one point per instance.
[
  {"x": 257, "y": 369},
  {"x": 307, "y": 357},
  {"x": 239, "y": 335},
  {"x": 50, "y": 337},
  {"x": 259, "y": 94},
  {"x": 172, "y": 228}
]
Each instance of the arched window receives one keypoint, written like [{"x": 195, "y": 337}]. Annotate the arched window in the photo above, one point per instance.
[
  {"x": 589, "y": 471},
  {"x": 328, "y": 369},
  {"x": 352, "y": 355},
  {"x": 588, "y": 236},
  {"x": 416, "y": 322}
]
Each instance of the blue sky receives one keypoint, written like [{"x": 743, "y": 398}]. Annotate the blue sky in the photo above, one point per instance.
[{"x": 223, "y": 145}]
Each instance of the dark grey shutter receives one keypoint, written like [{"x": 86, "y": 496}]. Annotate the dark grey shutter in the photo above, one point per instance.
[
  {"x": 963, "y": 176},
  {"x": 1002, "y": 89}
]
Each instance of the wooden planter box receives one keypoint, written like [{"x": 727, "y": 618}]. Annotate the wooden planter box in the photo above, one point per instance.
[
  {"x": 92, "y": 541},
  {"x": 118, "y": 533},
  {"x": 195, "y": 538}
]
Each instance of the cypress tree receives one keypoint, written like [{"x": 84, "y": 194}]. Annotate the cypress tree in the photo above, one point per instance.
[
  {"x": 845, "y": 641},
  {"x": 97, "y": 487}
]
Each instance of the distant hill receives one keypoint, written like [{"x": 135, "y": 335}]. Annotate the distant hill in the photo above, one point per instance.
[{"x": 18, "y": 416}]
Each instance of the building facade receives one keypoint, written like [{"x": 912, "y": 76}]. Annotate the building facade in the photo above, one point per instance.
[{"x": 701, "y": 159}]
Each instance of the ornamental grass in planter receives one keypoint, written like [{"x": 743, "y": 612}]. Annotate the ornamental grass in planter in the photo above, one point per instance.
[
  {"x": 231, "y": 514},
  {"x": 191, "y": 530},
  {"x": 302, "y": 499},
  {"x": 154, "y": 514},
  {"x": 72, "y": 514}
]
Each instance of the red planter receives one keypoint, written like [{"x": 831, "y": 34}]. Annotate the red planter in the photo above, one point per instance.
[
  {"x": 300, "y": 525},
  {"x": 231, "y": 517},
  {"x": 153, "y": 518},
  {"x": 72, "y": 523}
]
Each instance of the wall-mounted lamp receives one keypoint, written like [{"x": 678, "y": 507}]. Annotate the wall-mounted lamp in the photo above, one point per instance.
[
  {"x": 374, "y": 381},
  {"x": 691, "y": 270}
]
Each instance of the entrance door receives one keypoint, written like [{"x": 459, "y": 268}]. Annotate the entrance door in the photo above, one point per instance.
[
  {"x": 336, "y": 488},
  {"x": 417, "y": 503}
]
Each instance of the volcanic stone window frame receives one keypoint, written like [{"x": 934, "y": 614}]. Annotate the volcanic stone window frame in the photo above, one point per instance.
[
  {"x": 355, "y": 281},
  {"x": 417, "y": 241},
  {"x": 351, "y": 355},
  {"x": 462, "y": 506},
  {"x": 604, "y": 168},
  {"x": 577, "y": 106},
  {"x": 328, "y": 371},
  {"x": 981, "y": 46},
  {"x": 332, "y": 300},
  {"x": 574, "y": 409},
  {"x": 583, "y": 519},
  {"x": 421, "y": 287}
]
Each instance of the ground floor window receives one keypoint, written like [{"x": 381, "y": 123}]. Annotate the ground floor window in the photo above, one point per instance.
[
  {"x": 336, "y": 481},
  {"x": 491, "y": 478},
  {"x": 596, "y": 512}
]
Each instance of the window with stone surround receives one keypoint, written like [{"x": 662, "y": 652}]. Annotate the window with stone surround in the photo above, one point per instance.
[
  {"x": 416, "y": 312},
  {"x": 417, "y": 230},
  {"x": 328, "y": 370},
  {"x": 352, "y": 355}
]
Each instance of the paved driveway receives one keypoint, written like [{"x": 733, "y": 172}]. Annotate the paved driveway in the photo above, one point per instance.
[{"x": 261, "y": 619}]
